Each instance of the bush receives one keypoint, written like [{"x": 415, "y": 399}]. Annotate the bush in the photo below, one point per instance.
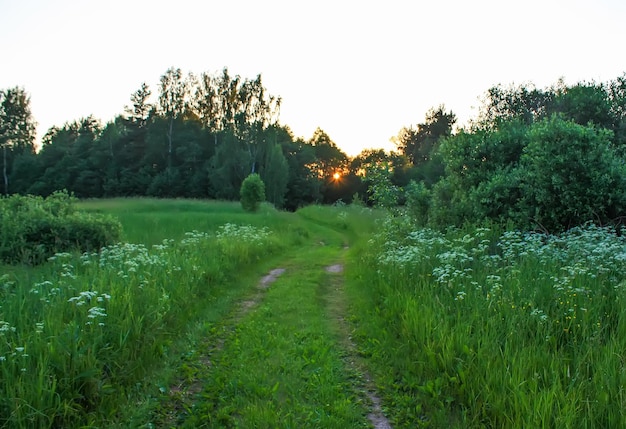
[
  {"x": 571, "y": 174},
  {"x": 252, "y": 193},
  {"x": 382, "y": 191},
  {"x": 418, "y": 199},
  {"x": 33, "y": 228},
  {"x": 551, "y": 175}
]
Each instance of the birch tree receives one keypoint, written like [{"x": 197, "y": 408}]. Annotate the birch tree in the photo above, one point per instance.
[
  {"x": 172, "y": 103},
  {"x": 17, "y": 128}
]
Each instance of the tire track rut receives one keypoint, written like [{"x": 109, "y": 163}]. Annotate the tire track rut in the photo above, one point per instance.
[{"x": 337, "y": 308}]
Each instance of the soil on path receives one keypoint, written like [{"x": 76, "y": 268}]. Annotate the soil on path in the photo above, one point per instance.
[
  {"x": 262, "y": 286},
  {"x": 338, "y": 310}
]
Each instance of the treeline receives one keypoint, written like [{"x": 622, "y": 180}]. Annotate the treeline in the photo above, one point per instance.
[
  {"x": 201, "y": 138},
  {"x": 539, "y": 158}
]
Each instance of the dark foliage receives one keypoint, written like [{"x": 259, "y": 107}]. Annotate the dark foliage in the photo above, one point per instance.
[{"x": 34, "y": 228}]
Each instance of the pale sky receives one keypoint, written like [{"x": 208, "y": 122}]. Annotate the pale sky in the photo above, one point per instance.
[{"x": 360, "y": 70}]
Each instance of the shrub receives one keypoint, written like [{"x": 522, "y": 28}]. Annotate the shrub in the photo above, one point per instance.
[
  {"x": 418, "y": 199},
  {"x": 252, "y": 192},
  {"x": 571, "y": 174},
  {"x": 382, "y": 191},
  {"x": 34, "y": 228},
  {"x": 553, "y": 175}
]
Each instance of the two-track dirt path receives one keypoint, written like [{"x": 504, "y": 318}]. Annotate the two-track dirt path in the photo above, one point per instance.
[
  {"x": 246, "y": 375},
  {"x": 339, "y": 312}
]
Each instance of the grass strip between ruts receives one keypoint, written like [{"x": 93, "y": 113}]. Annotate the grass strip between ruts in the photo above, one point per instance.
[{"x": 281, "y": 364}]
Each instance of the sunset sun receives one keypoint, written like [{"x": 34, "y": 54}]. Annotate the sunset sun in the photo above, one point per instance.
[{"x": 336, "y": 176}]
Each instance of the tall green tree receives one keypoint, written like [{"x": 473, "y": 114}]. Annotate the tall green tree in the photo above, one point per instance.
[
  {"x": 17, "y": 129},
  {"x": 258, "y": 111},
  {"x": 140, "y": 110},
  {"x": 108, "y": 143},
  {"x": 329, "y": 159},
  {"x": 56, "y": 160},
  {"x": 419, "y": 147},
  {"x": 616, "y": 90},
  {"x": 584, "y": 103},
  {"x": 228, "y": 168},
  {"x": 275, "y": 175},
  {"x": 88, "y": 170},
  {"x": 304, "y": 184},
  {"x": 418, "y": 144},
  {"x": 523, "y": 103},
  {"x": 237, "y": 112},
  {"x": 173, "y": 92},
  {"x": 124, "y": 142}
]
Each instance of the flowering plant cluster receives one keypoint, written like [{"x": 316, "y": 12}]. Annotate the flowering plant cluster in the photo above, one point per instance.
[
  {"x": 554, "y": 279},
  {"x": 96, "y": 311}
]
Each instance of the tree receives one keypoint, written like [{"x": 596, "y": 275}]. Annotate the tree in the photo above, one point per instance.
[
  {"x": 553, "y": 174},
  {"x": 616, "y": 90},
  {"x": 570, "y": 174},
  {"x": 329, "y": 159},
  {"x": 140, "y": 110},
  {"x": 238, "y": 113},
  {"x": 368, "y": 158},
  {"x": 382, "y": 192},
  {"x": 472, "y": 156},
  {"x": 275, "y": 170},
  {"x": 395, "y": 164},
  {"x": 56, "y": 160},
  {"x": 478, "y": 182},
  {"x": 523, "y": 103},
  {"x": 88, "y": 165},
  {"x": 228, "y": 168},
  {"x": 172, "y": 102},
  {"x": 303, "y": 186},
  {"x": 252, "y": 193},
  {"x": 585, "y": 103},
  {"x": 17, "y": 129},
  {"x": 418, "y": 144},
  {"x": 258, "y": 112}
]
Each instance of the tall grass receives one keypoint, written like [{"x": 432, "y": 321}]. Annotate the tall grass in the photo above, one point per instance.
[
  {"x": 487, "y": 328},
  {"x": 78, "y": 335}
]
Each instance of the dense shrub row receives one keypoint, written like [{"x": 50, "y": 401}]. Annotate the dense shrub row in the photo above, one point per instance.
[{"x": 34, "y": 228}]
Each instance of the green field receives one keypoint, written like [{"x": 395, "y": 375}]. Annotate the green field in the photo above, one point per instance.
[{"x": 175, "y": 326}]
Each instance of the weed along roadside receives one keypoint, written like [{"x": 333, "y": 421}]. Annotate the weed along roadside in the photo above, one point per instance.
[{"x": 280, "y": 357}]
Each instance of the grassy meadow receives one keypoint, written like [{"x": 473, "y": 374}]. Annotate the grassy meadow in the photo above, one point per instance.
[
  {"x": 468, "y": 328},
  {"x": 94, "y": 339},
  {"x": 490, "y": 328}
]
